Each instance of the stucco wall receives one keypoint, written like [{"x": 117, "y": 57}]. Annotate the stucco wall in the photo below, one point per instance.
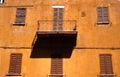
[{"x": 92, "y": 39}]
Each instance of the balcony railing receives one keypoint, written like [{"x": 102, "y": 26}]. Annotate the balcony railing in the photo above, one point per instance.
[
  {"x": 54, "y": 25},
  {"x": 106, "y": 75}
]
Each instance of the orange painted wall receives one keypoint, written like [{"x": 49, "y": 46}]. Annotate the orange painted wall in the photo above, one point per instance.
[{"x": 95, "y": 39}]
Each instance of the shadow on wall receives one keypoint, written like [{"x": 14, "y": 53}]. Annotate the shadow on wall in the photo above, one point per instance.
[{"x": 46, "y": 47}]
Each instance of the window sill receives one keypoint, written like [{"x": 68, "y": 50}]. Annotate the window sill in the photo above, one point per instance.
[
  {"x": 18, "y": 24},
  {"x": 56, "y": 75},
  {"x": 9, "y": 75},
  {"x": 104, "y": 24}
]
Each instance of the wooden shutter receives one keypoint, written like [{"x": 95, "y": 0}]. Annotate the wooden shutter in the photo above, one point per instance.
[
  {"x": 102, "y": 13},
  {"x": 105, "y": 15},
  {"x": 99, "y": 14},
  {"x": 58, "y": 19},
  {"x": 20, "y": 15},
  {"x": 15, "y": 63},
  {"x": 56, "y": 66},
  {"x": 55, "y": 19},
  {"x": 106, "y": 64}
]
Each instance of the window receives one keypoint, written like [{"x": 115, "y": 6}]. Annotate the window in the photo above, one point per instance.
[
  {"x": 106, "y": 65},
  {"x": 1, "y": 1},
  {"x": 102, "y": 14},
  {"x": 56, "y": 66},
  {"x": 15, "y": 64},
  {"x": 20, "y": 16},
  {"x": 58, "y": 17}
]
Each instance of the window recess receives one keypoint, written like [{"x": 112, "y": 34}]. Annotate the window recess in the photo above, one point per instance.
[
  {"x": 15, "y": 64},
  {"x": 102, "y": 15},
  {"x": 20, "y": 16}
]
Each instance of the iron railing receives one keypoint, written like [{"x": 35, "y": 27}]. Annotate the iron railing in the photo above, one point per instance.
[{"x": 54, "y": 25}]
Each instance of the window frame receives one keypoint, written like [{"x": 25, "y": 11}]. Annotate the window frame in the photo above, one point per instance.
[
  {"x": 103, "y": 15},
  {"x": 18, "y": 16},
  {"x": 13, "y": 67},
  {"x": 56, "y": 64},
  {"x": 58, "y": 14},
  {"x": 106, "y": 61},
  {"x": 1, "y": 1}
]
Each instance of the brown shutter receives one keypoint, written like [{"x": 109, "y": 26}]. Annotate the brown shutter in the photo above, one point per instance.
[
  {"x": 105, "y": 14},
  {"x": 99, "y": 14},
  {"x": 106, "y": 64},
  {"x": 58, "y": 19},
  {"x": 102, "y": 13},
  {"x": 20, "y": 15},
  {"x": 56, "y": 66},
  {"x": 15, "y": 63},
  {"x": 55, "y": 19}
]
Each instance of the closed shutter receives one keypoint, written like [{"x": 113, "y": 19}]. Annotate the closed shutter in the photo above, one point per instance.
[
  {"x": 15, "y": 63},
  {"x": 99, "y": 14},
  {"x": 106, "y": 64},
  {"x": 58, "y": 19},
  {"x": 56, "y": 66},
  {"x": 20, "y": 15},
  {"x": 55, "y": 20},
  {"x": 105, "y": 14},
  {"x": 102, "y": 13}
]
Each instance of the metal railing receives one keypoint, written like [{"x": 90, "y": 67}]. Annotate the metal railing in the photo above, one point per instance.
[{"x": 54, "y": 25}]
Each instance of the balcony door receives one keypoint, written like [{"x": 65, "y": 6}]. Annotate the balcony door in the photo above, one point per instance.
[{"x": 58, "y": 17}]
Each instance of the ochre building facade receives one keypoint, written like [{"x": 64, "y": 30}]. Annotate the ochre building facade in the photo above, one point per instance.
[{"x": 59, "y": 38}]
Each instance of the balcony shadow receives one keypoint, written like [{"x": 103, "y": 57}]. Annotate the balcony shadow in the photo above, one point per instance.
[{"x": 45, "y": 47}]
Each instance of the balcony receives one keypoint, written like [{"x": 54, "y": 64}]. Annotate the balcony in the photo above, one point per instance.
[
  {"x": 54, "y": 37},
  {"x": 56, "y": 33},
  {"x": 56, "y": 28}
]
